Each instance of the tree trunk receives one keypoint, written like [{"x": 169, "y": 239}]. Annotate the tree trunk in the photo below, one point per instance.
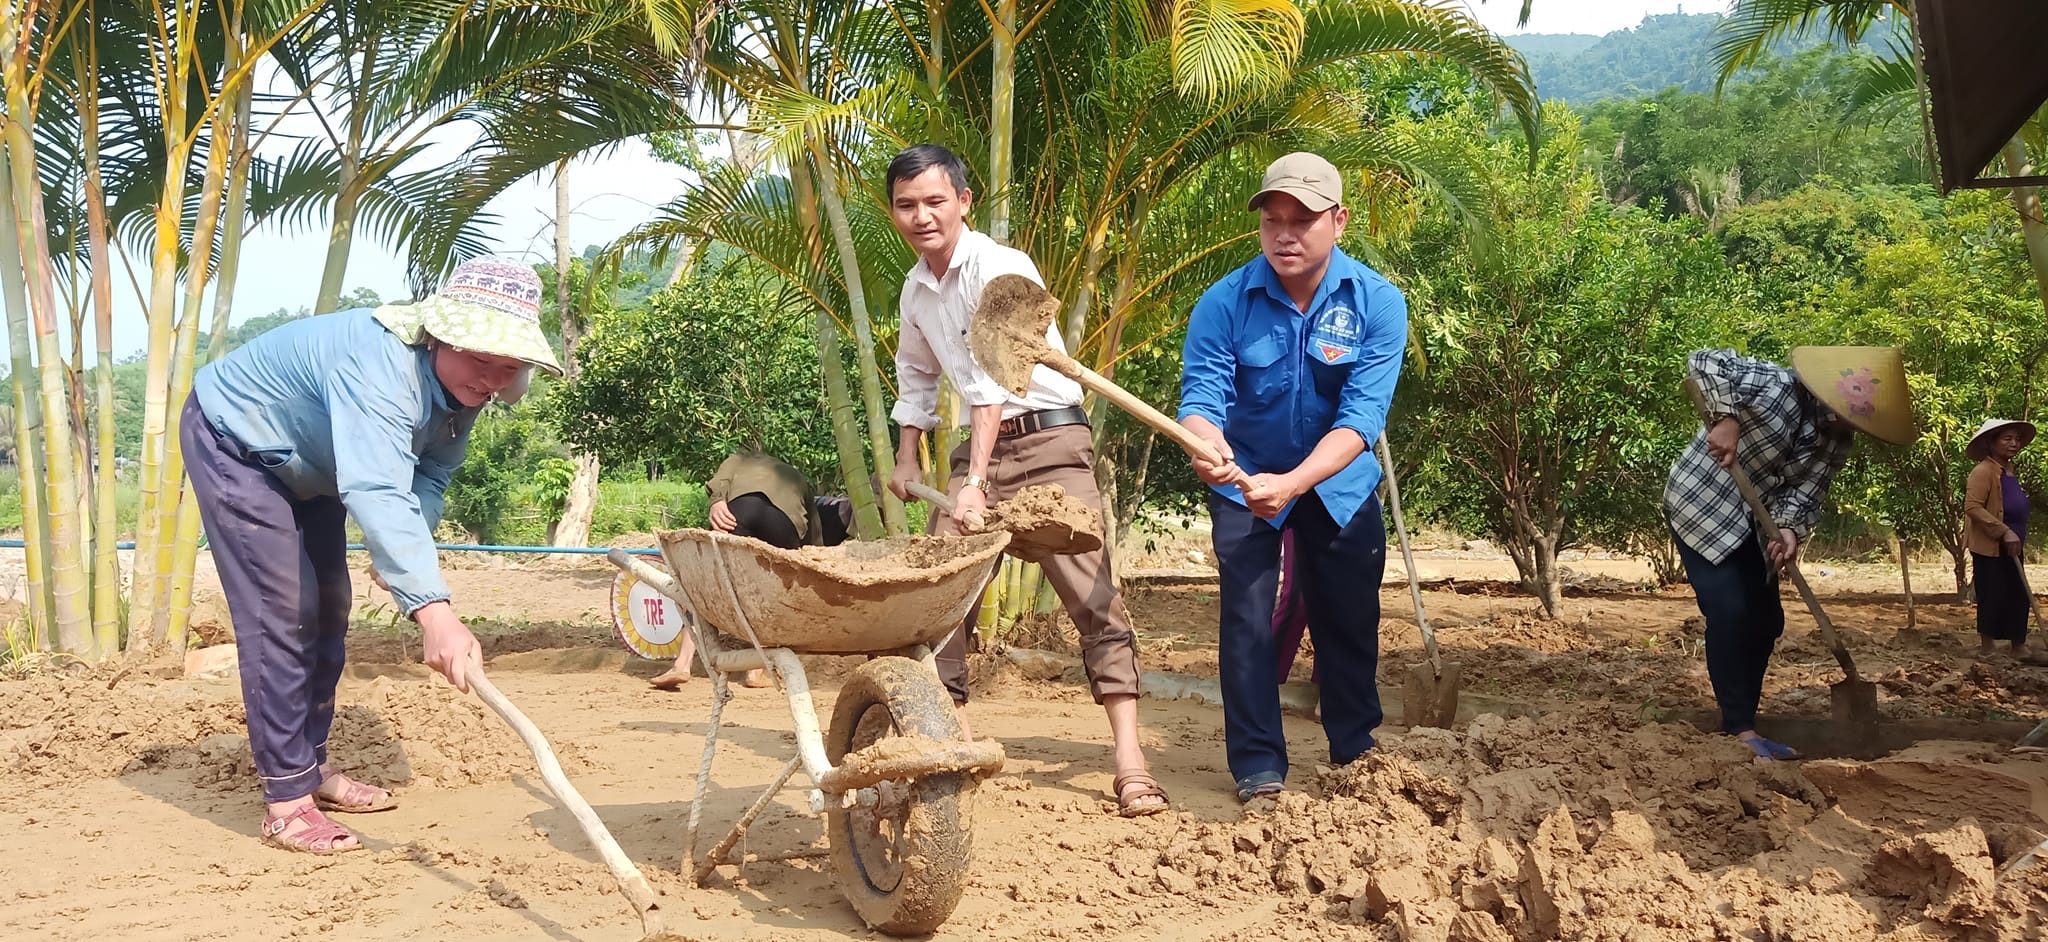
[
  {"x": 853, "y": 462},
  {"x": 573, "y": 529},
  {"x": 1906, "y": 578},
  {"x": 163, "y": 316},
  {"x": 28, "y": 425},
  {"x": 1549, "y": 590},
  {"x": 341, "y": 234},
  {"x": 1002, "y": 119},
  {"x": 69, "y": 607},
  {"x": 2027, "y": 201},
  {"x": 829, "y": 187}
]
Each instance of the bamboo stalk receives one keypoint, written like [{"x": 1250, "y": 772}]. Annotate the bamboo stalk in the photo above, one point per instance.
[
  {"x": 173, "y": 71},
  {"x": 1002, "y": 119},
  {"x": 186, "y": 557},
  {"x": 106, "y": 565},
  {"x": 184, "y": 362},
  {"x": 28, "y": 423},
  {"x": 67, "y": 574},
  {"x": 853, "y": 464},
  {"x": 831, "y": 188}
]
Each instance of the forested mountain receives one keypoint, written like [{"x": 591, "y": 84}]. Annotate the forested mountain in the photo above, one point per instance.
[{"x": 1660, "y": 52}]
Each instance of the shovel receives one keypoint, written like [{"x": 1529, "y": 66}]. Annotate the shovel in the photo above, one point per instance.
[
  {"x": 1429, "y": 696},
  {"x": 1853, "y": 699},
  {"x": 1007, "y": 338},
  {"x": 631, "y": 883},
  {"x": 1032, "y": 540}
]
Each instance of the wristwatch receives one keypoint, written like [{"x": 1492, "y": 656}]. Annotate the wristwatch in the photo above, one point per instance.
[{"x": 977, "y": 481}]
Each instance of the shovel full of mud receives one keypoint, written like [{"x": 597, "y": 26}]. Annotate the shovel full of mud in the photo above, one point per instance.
[
  {"x": 1852, "y": 699},
  {"x": 1008, "y": 336},
  {"x": 1042, "y": 520}
]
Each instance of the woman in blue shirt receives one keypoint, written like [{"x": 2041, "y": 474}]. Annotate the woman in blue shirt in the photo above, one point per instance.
[{"x": 360, "y": 413}]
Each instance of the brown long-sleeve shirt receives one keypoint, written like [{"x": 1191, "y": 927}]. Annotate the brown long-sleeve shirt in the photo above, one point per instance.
[
  {"x": 754, "y": 472},
  {"x": 1984, "y": 505}
]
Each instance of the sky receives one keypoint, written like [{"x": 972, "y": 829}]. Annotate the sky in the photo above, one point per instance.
[{"x": 610, "y": 193}]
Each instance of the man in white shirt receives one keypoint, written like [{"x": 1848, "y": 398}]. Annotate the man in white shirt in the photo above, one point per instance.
[{"x": 1041, "y": 437}]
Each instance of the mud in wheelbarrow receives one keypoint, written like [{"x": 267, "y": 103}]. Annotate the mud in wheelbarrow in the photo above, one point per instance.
[{"x": 892, "y": 774}]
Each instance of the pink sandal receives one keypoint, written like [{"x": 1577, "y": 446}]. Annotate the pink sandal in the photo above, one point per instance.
[
  {"x": 321, "y": 835},
  {"x": 356, "y": 798}
]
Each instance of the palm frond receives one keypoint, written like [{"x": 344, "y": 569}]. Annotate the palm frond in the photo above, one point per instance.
[
  {"x": 1222, "y": 48},
  {"x": 1351, "y": 30},
  {"x": 1752, "y": 27}
]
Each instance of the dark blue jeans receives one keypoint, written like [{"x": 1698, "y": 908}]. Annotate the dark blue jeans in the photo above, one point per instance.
[
  {"x": 284, "y": 569},
  {"x": 1745, "y": 615},
  {"x": 1339, "y": 569}
]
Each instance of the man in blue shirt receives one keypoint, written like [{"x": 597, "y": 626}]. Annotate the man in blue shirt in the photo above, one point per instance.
[
  {"x": 1289, "y": 367},
  {"x": 362, "y": 414}
]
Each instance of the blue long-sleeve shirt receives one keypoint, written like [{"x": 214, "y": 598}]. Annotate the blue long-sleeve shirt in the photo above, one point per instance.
[
  {"x": 1276, "y": 380},
  {"x": 336, "y": 405}
]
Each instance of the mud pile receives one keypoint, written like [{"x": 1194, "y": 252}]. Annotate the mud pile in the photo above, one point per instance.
[
  {"x": 868, "y": 562},
  {"x": 389, "y": 731},
  {"x": 1589, "y": 825}
]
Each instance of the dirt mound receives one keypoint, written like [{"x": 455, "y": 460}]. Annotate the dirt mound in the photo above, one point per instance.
[
  {"x": 55, "y": 730},
  {"x": 1590, "y": 825}
]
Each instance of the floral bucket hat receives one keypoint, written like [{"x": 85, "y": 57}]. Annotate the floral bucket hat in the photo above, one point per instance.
[
  {"x": 488, "y": 306},
  {"x": 1866, "y": 385}
]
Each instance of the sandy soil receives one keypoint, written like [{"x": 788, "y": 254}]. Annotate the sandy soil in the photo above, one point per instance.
[{"x": 127, "y": 808}]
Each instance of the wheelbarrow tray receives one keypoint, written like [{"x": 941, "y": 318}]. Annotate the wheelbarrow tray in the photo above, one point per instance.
[{"x": 861, "y": 597}]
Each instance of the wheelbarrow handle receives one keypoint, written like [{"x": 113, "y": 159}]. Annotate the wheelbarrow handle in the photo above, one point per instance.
[{"x": 1769, "y": 526}]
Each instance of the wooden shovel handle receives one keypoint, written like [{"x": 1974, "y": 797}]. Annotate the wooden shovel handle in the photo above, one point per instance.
[
  {"x": 631, "y": 883},
  {"x": 931, "y": 495},
  {"x": 2020, "y": 564},
  {"x": 1436, "y": 664},
  {"x": 1102, "y": 386},
  {"x": 1769, "y": 527}
]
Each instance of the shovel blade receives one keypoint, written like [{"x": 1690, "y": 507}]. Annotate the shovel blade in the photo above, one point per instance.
[
  {"x": 1854, "y": 702},
  {"x": 1430, "y": 700}
]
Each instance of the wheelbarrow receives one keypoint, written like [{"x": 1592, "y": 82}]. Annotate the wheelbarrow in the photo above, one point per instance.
[{"x": 892, "y": 774}]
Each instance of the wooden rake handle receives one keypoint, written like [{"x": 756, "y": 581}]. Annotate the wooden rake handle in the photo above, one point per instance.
[
  {"x": 1769, "y": 527},
  {"x": 631, "y": 883}
]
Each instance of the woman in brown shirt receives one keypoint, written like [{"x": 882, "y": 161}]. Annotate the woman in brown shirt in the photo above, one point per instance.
[{"x": 1997, "y": 532}]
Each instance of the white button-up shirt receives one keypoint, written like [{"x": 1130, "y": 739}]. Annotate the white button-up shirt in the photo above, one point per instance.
[{"x": 935, "y": 312}]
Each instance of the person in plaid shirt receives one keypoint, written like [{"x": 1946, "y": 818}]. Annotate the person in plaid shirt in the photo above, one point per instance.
[{"x": 1791, "y": 429}]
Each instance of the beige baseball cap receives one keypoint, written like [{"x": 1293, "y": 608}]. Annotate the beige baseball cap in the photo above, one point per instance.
[{"x": 1305, "y": 176}]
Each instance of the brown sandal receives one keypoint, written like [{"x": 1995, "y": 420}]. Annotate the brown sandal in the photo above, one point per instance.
[
  {"x": 1148, "y": 787},
  {"x": 321, "y": 835}
]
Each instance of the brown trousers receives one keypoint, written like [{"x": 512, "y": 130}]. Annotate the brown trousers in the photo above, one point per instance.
[{"x": 1065, "y": 456}]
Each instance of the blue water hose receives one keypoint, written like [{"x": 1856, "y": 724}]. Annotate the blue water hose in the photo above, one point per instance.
[{"x": 460, "y": 547}]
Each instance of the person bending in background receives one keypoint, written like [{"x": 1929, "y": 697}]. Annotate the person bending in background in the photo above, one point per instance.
[
  {"x": 756, "y": 495},
  {"x": 1791, "y": 430}
]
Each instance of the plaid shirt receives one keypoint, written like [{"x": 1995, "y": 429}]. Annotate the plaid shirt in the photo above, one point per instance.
[{"x": 1781, "y": 445}]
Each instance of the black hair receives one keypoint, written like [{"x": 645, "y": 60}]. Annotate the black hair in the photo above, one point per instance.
[{"x": 918, "y": 158}]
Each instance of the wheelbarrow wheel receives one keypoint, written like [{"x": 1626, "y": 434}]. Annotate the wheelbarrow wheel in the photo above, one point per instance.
[{"x": 902, "y": 860}]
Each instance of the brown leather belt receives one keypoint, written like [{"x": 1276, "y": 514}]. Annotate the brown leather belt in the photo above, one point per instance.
[{"x": 1041, "y": 420}]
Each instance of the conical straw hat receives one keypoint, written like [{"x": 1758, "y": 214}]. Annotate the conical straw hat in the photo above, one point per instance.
[
  {"x": 1866, "y": 385},
  {"x": 1980, "y": 443}
]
